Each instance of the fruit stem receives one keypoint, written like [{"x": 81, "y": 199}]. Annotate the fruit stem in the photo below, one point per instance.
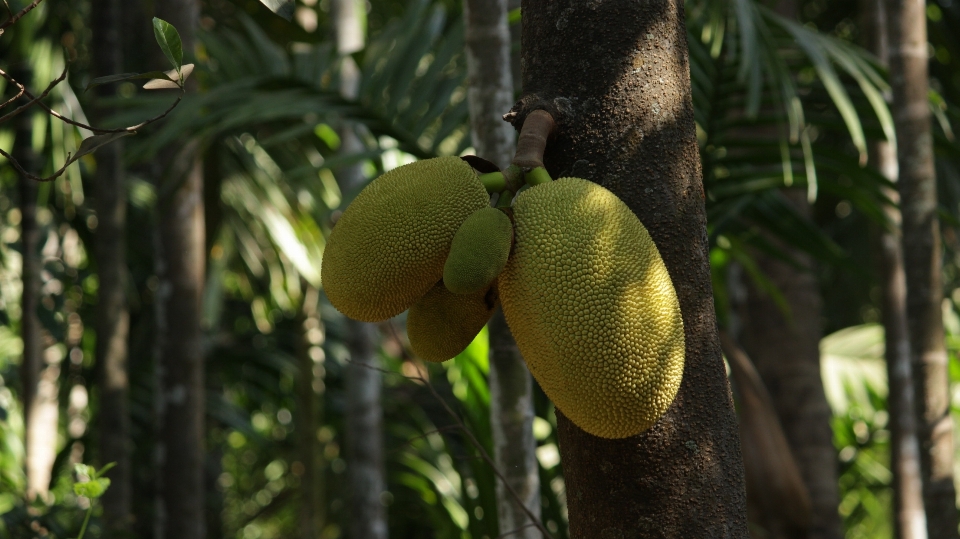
[
  {"x": 506, "y": 197},
  {"x": 537, "y": 176},
  {"x": 537, "y": 128},
  {"x": 513, "y": 175},
  {"x": 493, "y": 182}
]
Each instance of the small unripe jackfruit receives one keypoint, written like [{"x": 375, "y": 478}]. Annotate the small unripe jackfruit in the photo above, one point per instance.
[
  {"x": 442, "y": 324},
  {"x": 389, "y": 246},
  {"x": 479, "y": 251},
  {"x": 593, "y": 308}
]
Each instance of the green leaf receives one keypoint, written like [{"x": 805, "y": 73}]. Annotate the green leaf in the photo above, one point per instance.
[
  {"x": 283, "y": 8},
  {"x": 169, "y": 40},
  {"x": 90, "y": 145},
  {"x": 92, "y": 489}
]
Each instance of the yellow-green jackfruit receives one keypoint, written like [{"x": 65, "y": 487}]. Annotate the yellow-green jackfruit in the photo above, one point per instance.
[
  {"x": 389, "y": 246},
  {"x": 479, "y": 251},
  {"x": 442, "y": 323},
  {"x": 593, "y": 308}
]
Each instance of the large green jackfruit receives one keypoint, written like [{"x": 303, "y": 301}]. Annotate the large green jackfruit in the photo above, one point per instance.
[
  {"x": 479, "y": 251},
  {"x": 442, "y": 323},
  {"x": 592, "y": 308},
  {"x": 389, "y": 246}
]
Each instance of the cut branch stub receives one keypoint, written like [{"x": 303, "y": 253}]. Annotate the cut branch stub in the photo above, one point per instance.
[{"x": 537, "y": 129}]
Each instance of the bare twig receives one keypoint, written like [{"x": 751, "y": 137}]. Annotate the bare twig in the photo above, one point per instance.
[
  {"x": 16, "y": 97},
  {"x": 23, "y": 90},
  {"x": 33, "y": 177},
  {"x": 9, "y": 22}
]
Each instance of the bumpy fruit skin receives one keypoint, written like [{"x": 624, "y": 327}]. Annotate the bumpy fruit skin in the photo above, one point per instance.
[
  {"x": 442, "y": 323},
  {"x": 389, "y": 246},
  {"x": 479, "y": 251},
  {"x": 593, "y": 308}
]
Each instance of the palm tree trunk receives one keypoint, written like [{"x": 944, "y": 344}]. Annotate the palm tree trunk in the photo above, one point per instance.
[
  {"x": 910, "y": 522},
  {"x": 180, "y": 260},
  {"x": 309, "y": 386},
  {"x": 490, "y": 95},
  {"x": 616, "y": 77},
  {"x": 38, "y": 379},
  {"x": 113, "y": 319},
  {"x": 786, "y": 350},
  {"x": 366, "y": 473},
  {"x": 921, "y": 255}
]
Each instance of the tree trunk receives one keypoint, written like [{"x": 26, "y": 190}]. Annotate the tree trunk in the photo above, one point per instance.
[
  {"x": 180, "y": 261},
  {"x": 364, "y": 436},
  {"x": 616, "y": 77},
  {"x": 921, "y": 255},
  {"x": 38, "y": 378},
  {"x": 113, "y": 318},
  {"x": 366, "y": 473},
  {"x": 786, "y": 350},
  {"x": 309, "y": 386},
  {"x": 909, "y": 519},
  {"x": 490, "y": 95}
]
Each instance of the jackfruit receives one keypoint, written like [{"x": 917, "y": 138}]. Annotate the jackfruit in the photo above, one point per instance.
[
  {"x": 442, "y": 323},
  {"x": 479, "y": 251},
  {"x": 593, "y": 308},
  {"x": 389, "y": 246}
]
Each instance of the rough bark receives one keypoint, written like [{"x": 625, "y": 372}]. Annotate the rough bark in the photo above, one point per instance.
[
  {"x": 922, "y": 259},
  {"x": 490, "y": 95},
  {"x": 364, "y": 436},
  {"x": 113, "y": 318},
  {"x": 616, "y": 76},
  {"x": 785, "y": 347},
  {"x": 909, "y": 519},
  {"x": 180, "y": 264},
  {"x": 38, "y": 379}
]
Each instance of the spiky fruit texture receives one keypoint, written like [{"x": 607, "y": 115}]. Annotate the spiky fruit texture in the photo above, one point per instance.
[
  {"x": 479, "y": 251},
  {"x": 389, "y": 246},
  {"x": 593, "y": 308},
  {"x": 442, "y": 323}
]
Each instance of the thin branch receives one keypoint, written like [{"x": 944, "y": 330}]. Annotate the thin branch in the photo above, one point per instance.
[
  {"x": 23, "y": 90},
  {"x": 33, "y": 177},
  {"x": 16, "y": 97},
  {"x": 9, "y": 22}
]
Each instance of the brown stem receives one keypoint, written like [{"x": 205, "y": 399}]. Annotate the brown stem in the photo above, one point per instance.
[
  {"x": 536, "y": 131},
  {"x": 19, "y": 15},
  {"x": 23, "y": 90}
]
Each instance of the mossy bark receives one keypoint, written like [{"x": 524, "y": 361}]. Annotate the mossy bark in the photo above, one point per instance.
[{"x": 615, "y": 75}]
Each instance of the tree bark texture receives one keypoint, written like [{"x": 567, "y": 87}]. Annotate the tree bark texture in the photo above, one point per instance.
[
  {"x": 180, "y": 261},
  {"x": 39, "y": 379},
  {"x": 364, "y": 435},
  {"x": 490, "y": 95},
  {"x": 922, "y": 259},
  {"x": 785, "y": 346},
  {"x": 910, "y": 521},
  {"x": 113, "y": 318},
  {"x": 615, "y": 75}
]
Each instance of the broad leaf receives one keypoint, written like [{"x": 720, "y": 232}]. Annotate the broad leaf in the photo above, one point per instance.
[
  {"x": 170, "y": 80},
  {"x": 169, "y": 40},
  {"x": 128, "y": 76}
]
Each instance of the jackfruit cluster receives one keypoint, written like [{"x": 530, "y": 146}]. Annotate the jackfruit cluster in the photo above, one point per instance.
[
  {"x": 582, "y": 285},
  {"x": 389, "y": 246}
]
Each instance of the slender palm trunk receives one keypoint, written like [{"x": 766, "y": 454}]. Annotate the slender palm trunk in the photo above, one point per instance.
[
  {"x": 616, "y": 77},
  {"x": 490, "y": 95},
  {"x": 38, "y": 378},
  {"x": 364, "y": 432},
  {"x": 180, "y": 262},
  {"x": 910, "y": 522},
  {"x": 113, "y": 319},
  {"x": 309, "y": 387},
  {"x": 922, "y": 260},
  {"x": 786, "y": 349}
]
